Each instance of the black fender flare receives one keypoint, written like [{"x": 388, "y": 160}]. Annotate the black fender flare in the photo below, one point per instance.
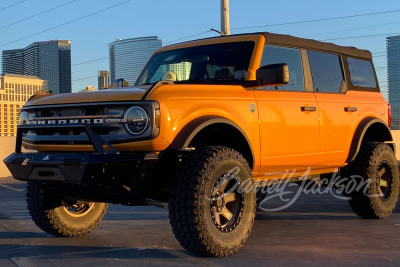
[
  {"x": 359, "y": 135},
  {"x": 190, "y": 130}
]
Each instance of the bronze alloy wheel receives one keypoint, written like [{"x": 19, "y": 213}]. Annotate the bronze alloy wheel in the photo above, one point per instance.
[
  {"x": 78, "y": 209},
  {"x": 377, "y": 196},
  {"x": 60, "y": 216},
  {"x": 384, "y": 180},
  {"x": 212, "y": 202},
  {"x": 227, "y": 203}
]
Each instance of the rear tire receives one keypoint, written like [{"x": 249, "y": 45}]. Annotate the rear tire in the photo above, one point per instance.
[
  {"x": 378, "y": 168},
  {"x": 212, "y": 202},
  {"x": 53, "y": 215}
]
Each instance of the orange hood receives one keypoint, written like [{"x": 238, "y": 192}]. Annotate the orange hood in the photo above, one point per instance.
[{"x": 108, "y": 95}]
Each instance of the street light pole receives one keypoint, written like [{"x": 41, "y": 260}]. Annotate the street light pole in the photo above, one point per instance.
[{"x": 225, "y": 17}]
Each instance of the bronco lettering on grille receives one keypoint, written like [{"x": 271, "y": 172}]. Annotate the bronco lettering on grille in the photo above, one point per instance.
[{"x": 90, "y": 121}]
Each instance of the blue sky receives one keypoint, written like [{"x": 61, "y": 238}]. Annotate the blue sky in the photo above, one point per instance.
[{"x": 175, "y": 19}]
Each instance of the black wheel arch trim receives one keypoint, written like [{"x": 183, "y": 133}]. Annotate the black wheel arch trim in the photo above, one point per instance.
[
  {"x": 190, "y": 130},
  {"x": 359, "y": 135}
]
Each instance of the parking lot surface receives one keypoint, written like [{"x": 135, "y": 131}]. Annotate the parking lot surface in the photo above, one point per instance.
[{"x": 316, "y": 229}]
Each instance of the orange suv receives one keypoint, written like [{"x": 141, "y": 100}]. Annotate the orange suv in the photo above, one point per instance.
[{"x": 207, "y": 124}]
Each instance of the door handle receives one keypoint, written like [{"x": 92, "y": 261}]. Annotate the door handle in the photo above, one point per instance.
[
  {"x": 308, "y": 108},
  {"x": 350, "y": 109}
]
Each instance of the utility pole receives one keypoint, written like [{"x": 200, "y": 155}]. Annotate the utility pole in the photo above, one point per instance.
[{"x": 225, "y": 30}]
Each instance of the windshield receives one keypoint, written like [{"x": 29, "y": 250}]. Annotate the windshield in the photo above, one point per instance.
[{"x": 208, "y": 63}]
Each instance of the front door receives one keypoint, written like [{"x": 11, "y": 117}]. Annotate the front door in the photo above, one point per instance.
[{"x": 289, "y": 128}]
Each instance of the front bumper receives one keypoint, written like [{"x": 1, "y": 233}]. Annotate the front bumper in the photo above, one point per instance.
[{"x": 75, "y": 168}]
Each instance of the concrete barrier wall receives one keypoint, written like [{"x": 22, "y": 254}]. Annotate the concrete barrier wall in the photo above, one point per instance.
[
  {"x": 396, "y": 139},
  {"x": 7, "y": 146}
]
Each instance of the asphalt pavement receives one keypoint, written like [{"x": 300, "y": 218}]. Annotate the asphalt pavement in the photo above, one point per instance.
[{"x": 315, "y": 229}]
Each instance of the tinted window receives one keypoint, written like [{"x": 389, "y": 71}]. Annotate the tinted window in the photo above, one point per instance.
[
  {"x": 206, "y": 63},
  {"x": 290, "y": 56},
  {"x": 326, "y": 72},
  {"x": 361, "y": 73}
]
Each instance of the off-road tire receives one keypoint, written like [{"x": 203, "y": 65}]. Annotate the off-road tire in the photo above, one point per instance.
[
  {"x": 377, "y": 169},
  {"x": 192, "y": 211},
  {"x": 49, "y": 213}
]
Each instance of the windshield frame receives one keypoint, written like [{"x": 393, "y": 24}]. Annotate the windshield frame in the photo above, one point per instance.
[{"x": 254, "y": 57}]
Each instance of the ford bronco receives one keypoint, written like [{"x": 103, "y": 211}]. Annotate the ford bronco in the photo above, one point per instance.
[{"x": 207, "y": 123}]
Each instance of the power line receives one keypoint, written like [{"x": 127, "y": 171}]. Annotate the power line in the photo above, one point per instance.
[
  {"x": 90, "y": 61},
  {"x": 84, "y": 78},
  {"x": 183, "y": 38},
  {"x": 300, "y": 22},
  {"x": 103, "y": 58},
  {"x": 353, "y": 29},
  {"x": 4, "y": 8},
  {"x": 287, "y": 23},
  {"x": 362, "y": 36},
  {"x": 66, "y": 23},
  {"x": 318, "y": 20},
  {"x": 37, "y": 14}
]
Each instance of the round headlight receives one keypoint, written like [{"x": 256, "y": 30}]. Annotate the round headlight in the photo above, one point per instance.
[
  {"x": 136, "y": 120},
  {"x": 23, "y": 118}
]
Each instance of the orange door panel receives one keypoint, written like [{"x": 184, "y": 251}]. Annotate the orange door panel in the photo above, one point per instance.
[
  {"x": 289, "y": 130},
  {"x": 339, "y": 115}
]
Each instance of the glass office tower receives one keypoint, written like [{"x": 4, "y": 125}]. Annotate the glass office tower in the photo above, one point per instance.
[
  {"x": 50, "y": 60},
  {"x": 128, "y": 57},
  {"x": 393, "y": 66}
]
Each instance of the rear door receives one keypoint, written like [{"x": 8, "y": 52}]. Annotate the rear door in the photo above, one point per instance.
[{"x": 337, "y": 107}]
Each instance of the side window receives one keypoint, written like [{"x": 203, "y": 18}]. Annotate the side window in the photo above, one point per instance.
[
  {"x": 361, "y": 73},
  {"x": 290, "y": 56},
  {"x": 326, "y": 72}
]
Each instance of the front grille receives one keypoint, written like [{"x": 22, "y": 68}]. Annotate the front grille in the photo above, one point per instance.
[{"x": 105, "y": 119}]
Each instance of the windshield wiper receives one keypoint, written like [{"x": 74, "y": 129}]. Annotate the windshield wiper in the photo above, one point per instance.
[
  {"x": 192, "y": 81},
  {"x": 146, "y": 84}
]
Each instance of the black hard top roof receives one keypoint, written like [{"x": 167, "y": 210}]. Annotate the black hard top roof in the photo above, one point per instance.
[
  {"x": 291, "y": 41},
  {"x": 288, "y": 40}
]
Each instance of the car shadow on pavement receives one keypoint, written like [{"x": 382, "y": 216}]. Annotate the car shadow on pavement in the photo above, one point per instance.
[
  {"x": 22, "y": 235},
  {"x": 84, "y": 252},
  {"x": 297, "y": 216}
]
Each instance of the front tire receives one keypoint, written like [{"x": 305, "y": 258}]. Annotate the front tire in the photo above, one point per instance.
[
  {"x": 60, "y": 217},
  {"x": 212, "y": 202},
  {"x": 378, "y": 168}
]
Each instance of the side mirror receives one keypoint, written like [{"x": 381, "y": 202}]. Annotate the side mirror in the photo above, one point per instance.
[{"x": 273, "y": 75}]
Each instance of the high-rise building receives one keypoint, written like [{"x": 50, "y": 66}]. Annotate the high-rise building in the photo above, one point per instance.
[
  {"x": 393, "y": 66},
  {"x": 15, "y": 90},
  {"x": 13, "y": 61},
  {"x": 128, "y": 57},
  {"x": 50, "y": 60},
  {"x": 103, "y": 79}
]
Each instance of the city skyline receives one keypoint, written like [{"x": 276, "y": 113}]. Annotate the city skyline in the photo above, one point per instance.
[
  {"x": 92, "y": 25},
  {"x": 48, "y": 60}
]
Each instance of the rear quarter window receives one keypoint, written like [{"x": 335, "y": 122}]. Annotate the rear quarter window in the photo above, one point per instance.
[{"x": 361, "y": 73}]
